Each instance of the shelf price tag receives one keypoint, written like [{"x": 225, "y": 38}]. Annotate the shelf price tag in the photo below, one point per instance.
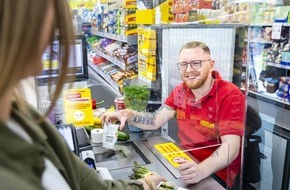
[
  {"x": 276, "y": 30},
  {"x": 286, "y": 57},
  {"x": 110, "y": 135}
]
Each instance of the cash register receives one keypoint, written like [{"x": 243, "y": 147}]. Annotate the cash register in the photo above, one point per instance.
[
  {"x": 76, "y": 137},
  {"x": 79, "y": 143}
]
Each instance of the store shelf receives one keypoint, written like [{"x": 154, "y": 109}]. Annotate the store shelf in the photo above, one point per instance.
[
  {"x": 132, "y": 39},
  {"x": 268, "y": 97},
  {"x": 278, "y": 65},
  {"x": 269, "y": 24},
  {"x": 131, "y": 60},
  {"x": 106, "y": 77},
  {"x": 261, "y": 41}
]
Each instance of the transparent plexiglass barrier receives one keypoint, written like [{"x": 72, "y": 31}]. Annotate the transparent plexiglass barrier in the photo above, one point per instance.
[{"x": 190, "y": 168}]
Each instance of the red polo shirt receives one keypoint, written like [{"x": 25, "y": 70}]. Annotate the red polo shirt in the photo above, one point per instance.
[{"x": 202, "y": 123}]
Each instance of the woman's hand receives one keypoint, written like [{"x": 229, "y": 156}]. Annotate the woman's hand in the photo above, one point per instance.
[
  {"x": 191, "y": 172},
  {"x": 152, "y": 181}
]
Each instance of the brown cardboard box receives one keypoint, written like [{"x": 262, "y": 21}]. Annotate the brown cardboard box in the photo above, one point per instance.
[{"x": 204, "y": 4}]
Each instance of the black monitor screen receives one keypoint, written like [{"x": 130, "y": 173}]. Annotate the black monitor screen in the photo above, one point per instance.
[{"x": 78, "y": 65}]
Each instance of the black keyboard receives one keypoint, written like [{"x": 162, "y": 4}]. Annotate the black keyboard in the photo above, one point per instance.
[{"x": 83, "y": 138}]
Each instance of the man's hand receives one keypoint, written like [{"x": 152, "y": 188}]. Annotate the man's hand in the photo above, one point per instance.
[
  {"x": 120, "y": 115},
  {"x": 191, "y": 172}
]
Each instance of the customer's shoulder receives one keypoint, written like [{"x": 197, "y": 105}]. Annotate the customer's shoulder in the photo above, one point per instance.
[{"x": 10, "y": 179}]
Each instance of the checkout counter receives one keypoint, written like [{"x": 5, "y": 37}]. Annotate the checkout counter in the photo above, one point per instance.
[{"x": 140, "y": 148}]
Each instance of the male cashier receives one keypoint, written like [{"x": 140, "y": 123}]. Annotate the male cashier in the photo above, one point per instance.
[{"x": 209, "y": 112}]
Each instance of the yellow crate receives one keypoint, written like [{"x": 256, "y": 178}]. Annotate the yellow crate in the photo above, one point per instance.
[
  {"x": 130, "y": 4},
  {"x": 148, "y": 16},
  {"x": 149, "y": 45},
  {"x": 147, "y": 67},
  {"x": 145, "y": 16},
  {"x": 148, "y": 60},
  {"x": 131, "y": 31},
  {"x": 131, "y": 19},
  {"x": 149, "y": 35},
  {"x": 149, "y": 72},
  {"x": 147, "y": 52},
  {"x": 165, "y": 12}
]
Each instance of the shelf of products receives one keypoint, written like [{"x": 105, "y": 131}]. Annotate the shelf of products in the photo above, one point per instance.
[
  {"x": 270, "y": 96},
  {"x": 113, "y": 41},
  {"x": 278, "y": 65},
  {"x": 270, "y": 24},
  {"x": 111, "y": 73},
  {"x": 129, "y": 65},
  {"x": 119, "y": 53},
  {"x": 132, "y": 39},
  {"x": 269, "y": 61},
  {"x": 107, "y": 77}
]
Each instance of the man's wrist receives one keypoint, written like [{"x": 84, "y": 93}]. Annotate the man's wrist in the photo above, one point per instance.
[
  {"x": 207, "y": 171},
  {"x": 128, "y": 113}
]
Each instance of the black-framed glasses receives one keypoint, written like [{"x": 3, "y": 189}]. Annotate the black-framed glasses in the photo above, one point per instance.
[{"x": 195, "y": 64}]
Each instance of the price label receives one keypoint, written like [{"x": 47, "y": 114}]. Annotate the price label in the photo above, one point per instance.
[
  {"x": 276, "y": 30},
  {"x": 132, "y": 59},
  {"x": 286, "y": 57},
  {"x": 172, "y": 153},
  {"x": 110, "y": 135}
]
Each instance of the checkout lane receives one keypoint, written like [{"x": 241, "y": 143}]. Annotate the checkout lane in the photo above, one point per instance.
[{"x": 139, "y": 148}]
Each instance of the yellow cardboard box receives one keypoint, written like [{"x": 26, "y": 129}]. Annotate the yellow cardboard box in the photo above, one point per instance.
[{"x": 145, "y": 16}]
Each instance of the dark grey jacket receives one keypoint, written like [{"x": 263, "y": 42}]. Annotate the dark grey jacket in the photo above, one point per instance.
[{"x": 22, "y": 163}]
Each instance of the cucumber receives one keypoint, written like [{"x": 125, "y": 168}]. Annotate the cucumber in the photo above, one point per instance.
[
  {"x": 122, "y": 136},
  {"x": 89, "y": 128}
]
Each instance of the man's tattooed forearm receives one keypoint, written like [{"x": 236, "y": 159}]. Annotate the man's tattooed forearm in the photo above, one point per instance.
[
  {"x": 143, "y": 118},
  {"x": 163, "y": 106},
  {"x": 166, "y": 107},
  {"x": 146, "y": 118}
]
